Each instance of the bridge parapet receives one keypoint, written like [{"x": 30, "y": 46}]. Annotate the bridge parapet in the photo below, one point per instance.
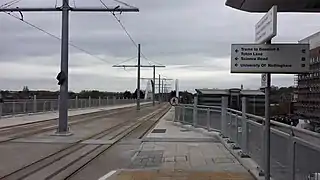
[{"x": 295, "y": 152}]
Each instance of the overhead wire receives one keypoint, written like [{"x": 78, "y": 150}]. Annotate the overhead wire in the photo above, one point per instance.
[
  {"x": 124, "y": 28},
  {"x": 121, "y": 24},
  {"x": 130, "y": 37},
  {"x": 124, "y": 3},
  {"x": 58, "y": 38},
  {"x": 153, "y": 61},
  {"x": 10, "y": 3},
  {"x": 126, "y": 60}
]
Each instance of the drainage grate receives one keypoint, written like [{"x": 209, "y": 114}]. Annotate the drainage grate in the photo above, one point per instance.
[
  {"x": 159, "y": 131},
  {"x": 185, "y": 130},
  {"x": 223, "y": 160}
]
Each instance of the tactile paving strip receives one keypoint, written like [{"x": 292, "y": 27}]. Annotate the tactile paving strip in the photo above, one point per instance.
[{"x": 177, "y": 175}]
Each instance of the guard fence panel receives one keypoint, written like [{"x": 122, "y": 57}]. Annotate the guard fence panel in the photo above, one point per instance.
[
  {"x": 29, "y": 106},
  {"x": 295, "y": 153}
]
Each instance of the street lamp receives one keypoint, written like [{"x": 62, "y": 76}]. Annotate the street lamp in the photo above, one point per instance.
[{"x": 283, "y": 5}]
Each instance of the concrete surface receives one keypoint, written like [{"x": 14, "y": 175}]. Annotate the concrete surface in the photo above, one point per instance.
[
  {"x": 22, "y": 152},
  {"x": 17, "y": 155},
  {"x": 89, "y": 128},
  {"x": 173, "y": 152}
]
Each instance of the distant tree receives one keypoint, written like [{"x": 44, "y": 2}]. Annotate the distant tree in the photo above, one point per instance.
[
  {"x": 172, "y": 94},
  {"x": 25, "y": 89},
  {"x": 186, "y": 97},
  {"x": 25, "y": 92},
  {"x": 127, "y": 94},
  {"x": 142, "y": 94}
]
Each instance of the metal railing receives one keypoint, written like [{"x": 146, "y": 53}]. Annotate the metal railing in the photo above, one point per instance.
[
  {"x": 208, "y": 117},
  {"x": 30, "y": 106},
  {"x": 295, "y": 153}
]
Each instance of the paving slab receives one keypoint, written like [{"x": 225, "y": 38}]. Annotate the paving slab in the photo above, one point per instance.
[
  {"x": 17, "y": 155},
  {"x": 171, "y": 152},
  {"x": 173, "y": 175}
]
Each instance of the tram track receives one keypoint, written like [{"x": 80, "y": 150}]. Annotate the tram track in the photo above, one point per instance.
[
  {"x": 157, "y": 116},
  {"x": 83, "y": 153}
]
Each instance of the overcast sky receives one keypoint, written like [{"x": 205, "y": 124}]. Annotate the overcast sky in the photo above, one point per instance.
[{"x": 192, "y": 38}]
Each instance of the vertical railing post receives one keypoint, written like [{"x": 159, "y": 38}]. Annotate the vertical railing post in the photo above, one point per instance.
[
  {"x": 1, "y": 105},
  {"x": 51, "y": 105},
  {"x": 25, "y": 107},
  {"x": 34, "y": 103},
  {"x": 224, "y": 106},
  {"x": 82, "y": 103},
  {"x": 244, "y": 124},
  {"x": 89, "y": 101},
  {"x": 114, "y": 100},
  {"x": 179, "y": 114},
  {"x": 183, "y": 114},
  {"x": 208, "y": 119},
  {"x": 292, "y": 156},
  {"x": 13, "y": 108},
  {"x": 195, "y": 111},
  {"x": 175, "y": 119},
  {"x": 58, "y": 102},
  {"x": 99, "y": 104},
  {"x": 76, "y": 102},
  {"x": 44, "y": 106},
  {"x": 229, "y": 124},
  {"x": 237, "y": 130}
]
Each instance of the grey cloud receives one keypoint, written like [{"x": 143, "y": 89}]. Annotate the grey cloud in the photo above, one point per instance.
[
  {"x": 171, "y": 32},
  {"x": 249, "y": 81},
  {"x": 88, "y": 82}
]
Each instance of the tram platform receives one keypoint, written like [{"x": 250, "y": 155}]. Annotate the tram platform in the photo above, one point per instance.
[{"x": 173, "y": 152}]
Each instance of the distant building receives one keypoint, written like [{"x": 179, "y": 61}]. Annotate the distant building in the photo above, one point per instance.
[
  {"x": 256, "y": 101},
  {"x": 307, "y": 94},
  {"x": 213, "y": 97}
]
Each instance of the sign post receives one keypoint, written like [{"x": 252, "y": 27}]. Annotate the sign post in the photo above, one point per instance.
[
  {"x": 263, "y": 80},
  {"x": 266, "y": 28},
  {"x": 174, "y": 101},
  {"x": 177, "y": 88},
  {"x": 267, "y": 58}
]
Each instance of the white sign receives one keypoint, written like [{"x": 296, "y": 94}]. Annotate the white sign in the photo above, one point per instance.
[
  {"x": 263, "y": 80},
  {"x": 270, "y": 58},
  {"x": 174, "y": 101},
  {"x": 266, "y": 28}
]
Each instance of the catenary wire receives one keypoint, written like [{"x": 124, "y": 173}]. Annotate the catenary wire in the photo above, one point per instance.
[
  {"x": 58, "y": 38},
  {"x": 124, "y": 3},
  {"x": 10, "y": 3},
  {"x": 125, "y": 30}
]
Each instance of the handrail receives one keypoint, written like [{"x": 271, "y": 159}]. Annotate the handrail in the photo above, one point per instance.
[
  {"x": 201, "y": 106},
  {"x": 248, "y": 115},
  {"x": 235, "y": 111},
  {"x": 286, "y": 126},
  {"x": 251, "y": 126}
]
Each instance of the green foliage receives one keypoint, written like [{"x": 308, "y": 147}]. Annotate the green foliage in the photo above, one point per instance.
[{"x": 41, "y": 94}]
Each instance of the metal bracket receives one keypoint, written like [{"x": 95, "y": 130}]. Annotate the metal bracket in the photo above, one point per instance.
[{"x": 243, "y": 154}]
